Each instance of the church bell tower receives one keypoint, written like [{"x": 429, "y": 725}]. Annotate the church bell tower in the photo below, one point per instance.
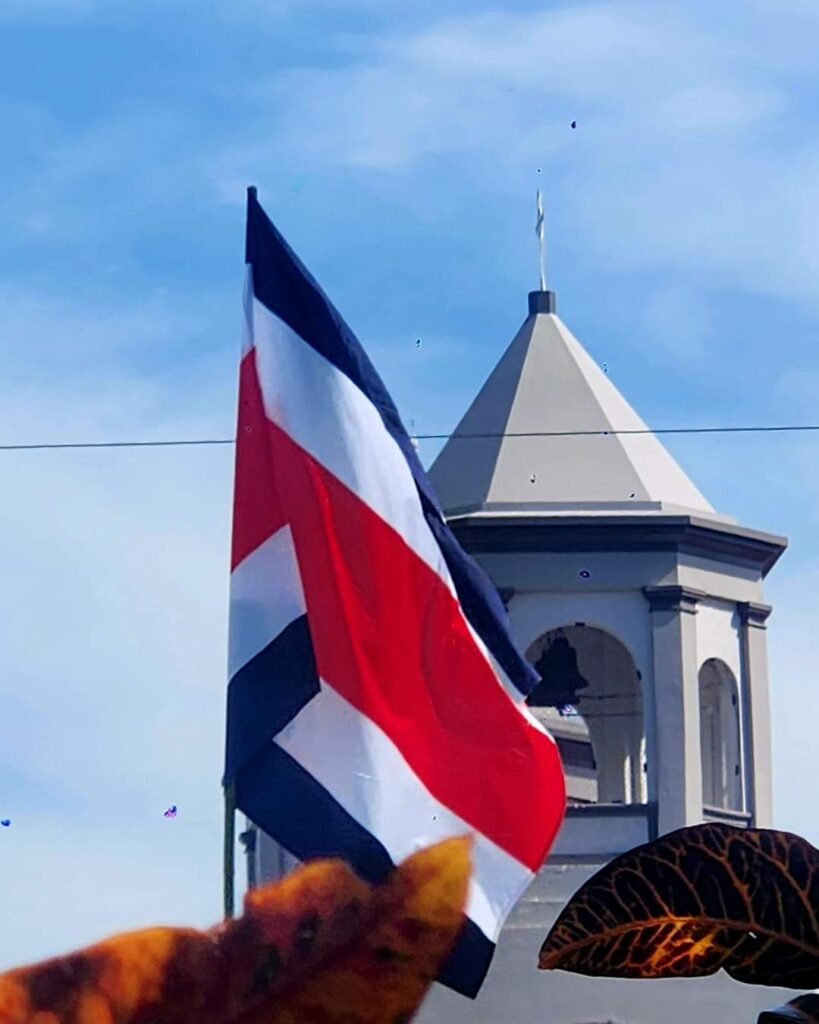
[{"x": 642, "y": 608}]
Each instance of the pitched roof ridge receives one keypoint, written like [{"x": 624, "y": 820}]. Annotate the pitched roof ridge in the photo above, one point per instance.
[
  {"x": 531, "y": 319},
  {"x": 570, "y": 340},
  {"x": 546, "y": 382}
]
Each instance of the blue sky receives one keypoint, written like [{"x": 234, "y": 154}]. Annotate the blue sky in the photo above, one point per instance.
[{"x": 398, "y": 147}]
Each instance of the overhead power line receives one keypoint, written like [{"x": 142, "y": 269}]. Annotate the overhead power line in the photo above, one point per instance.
[
  {"x": 114, "y": 444},
  {"x": 184, "y": 442},
  {"x": 617, "y": 433}
]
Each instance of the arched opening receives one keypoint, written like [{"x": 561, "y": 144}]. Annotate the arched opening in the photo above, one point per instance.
[
  {"x": 600, "y": 733},
  {"x": 720, "y": 737}
]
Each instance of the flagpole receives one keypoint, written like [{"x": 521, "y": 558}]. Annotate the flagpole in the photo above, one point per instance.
[
  {"x": 230, "y": 845},
  {"x": 229, "y": 789}
]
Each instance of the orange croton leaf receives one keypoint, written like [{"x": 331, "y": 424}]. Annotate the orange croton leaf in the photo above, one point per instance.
[
  {"x": 383, "y": 975},
  {"x": 321, "y": 941}
]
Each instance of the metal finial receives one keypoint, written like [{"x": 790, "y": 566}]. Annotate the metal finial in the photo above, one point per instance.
[{"x": 541, "y": 237}]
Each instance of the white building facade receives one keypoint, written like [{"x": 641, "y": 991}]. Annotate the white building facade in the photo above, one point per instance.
[{"x": 600, "y": 544}]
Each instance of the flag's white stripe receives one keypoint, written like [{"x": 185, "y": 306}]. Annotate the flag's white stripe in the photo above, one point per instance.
[
  {"x": 379, "y": 789},
  {"x": 308, "y": 397},
  {"x": 266, "y": 595},
  {"x": 512, "y": 691}
]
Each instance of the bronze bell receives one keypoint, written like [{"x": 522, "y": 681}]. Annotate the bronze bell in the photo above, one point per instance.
[{"x": 559, "y": 678}]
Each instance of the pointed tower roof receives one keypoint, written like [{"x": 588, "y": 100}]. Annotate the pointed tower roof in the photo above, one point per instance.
[{"x": 546, "y": 383}]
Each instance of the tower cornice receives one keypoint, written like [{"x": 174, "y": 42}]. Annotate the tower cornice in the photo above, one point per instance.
[
  {"x": 714, "y": 539},
  {"x": 753, "y": 613},
  {"x": 673, "y": 598}
]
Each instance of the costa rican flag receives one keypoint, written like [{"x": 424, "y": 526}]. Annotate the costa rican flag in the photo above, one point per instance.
[{"x": 376, "y": 701}]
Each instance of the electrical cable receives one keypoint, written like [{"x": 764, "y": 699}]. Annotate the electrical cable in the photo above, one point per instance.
[{"x": 765, "y": 429}]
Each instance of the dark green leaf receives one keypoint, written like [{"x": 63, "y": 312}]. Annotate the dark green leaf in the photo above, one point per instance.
[{"x": 802, "y": 1010}]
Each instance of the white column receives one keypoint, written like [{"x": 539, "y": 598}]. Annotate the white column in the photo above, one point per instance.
[
  {"x": 249, "y": 840},
  {"x": 677, "y": 759},
  {"x": 756, "y": 712},
  {"x": 273, "y": 861}
]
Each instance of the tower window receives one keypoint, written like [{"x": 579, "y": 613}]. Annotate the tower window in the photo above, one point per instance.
[
  {"x": 602, "y": 740},
  {"x": 720, "y": 745}
]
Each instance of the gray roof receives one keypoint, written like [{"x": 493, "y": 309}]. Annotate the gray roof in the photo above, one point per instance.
[{"x": 546, "y": 382}]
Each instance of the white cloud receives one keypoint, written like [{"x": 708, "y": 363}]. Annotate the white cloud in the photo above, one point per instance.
[
  {"x": 566, "y": 50},
  {"x": 49, "y": 11},
  {"x": 67, "y": 11},
  {"x": 45, "y": 333},
  {"x": 81, "y": 185},
  {"x": 114, "y": 611},
  {"x": 492, "y": 80},
  {"x": 681, "y": 161},
  {"x": 81, "y": 883}
]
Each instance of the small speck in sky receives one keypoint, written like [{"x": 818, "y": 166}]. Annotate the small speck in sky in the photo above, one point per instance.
[
  {"x": 532, "y": 478},
  {"x": 574, "y": 124},
  {"x": 171, "y": 812},
  {"x": 5, "y": 822},
  {"x": 417, "y": 342},
  {"x": 605, "y": 367},
  {"x": 585, "y": 574}
]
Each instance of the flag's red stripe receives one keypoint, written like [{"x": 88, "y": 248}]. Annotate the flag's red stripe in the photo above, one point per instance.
[
  {"x": 256, "y": 511},
  {"x": 390, "y": 638}
]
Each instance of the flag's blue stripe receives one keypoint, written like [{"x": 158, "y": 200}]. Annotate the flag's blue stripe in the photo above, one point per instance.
[
  {"x": 287, "y": 803},
  {"x": 284, "y": 800},
  {"x": 276, "y": 793},
  {"x": 267, "y": 692},
  {"x": 469, "y": 961},
  {"x": 285, "y": 286}
]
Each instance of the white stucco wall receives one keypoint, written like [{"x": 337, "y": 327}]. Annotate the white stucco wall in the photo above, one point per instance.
[
  {"x": 600, "y": 835},
  {"x": 621, "y": 613},
  {"x": 558, "y": 572},
  {"x": 718, "y": 634},
  {"x": 729, "y": 582}
]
